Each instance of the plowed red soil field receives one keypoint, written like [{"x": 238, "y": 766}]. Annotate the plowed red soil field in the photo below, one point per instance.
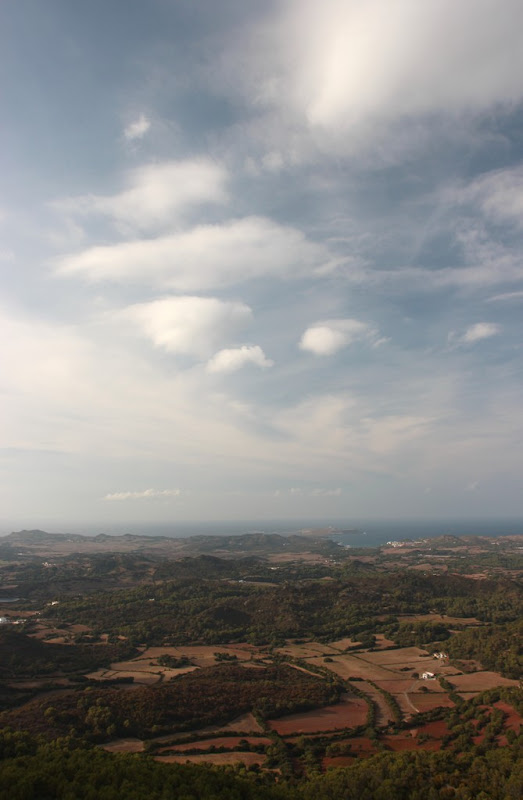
[{"x": 349, "y": 714}]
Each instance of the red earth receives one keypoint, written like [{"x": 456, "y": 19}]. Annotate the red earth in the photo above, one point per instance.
[{"x": 349, "y": 714}]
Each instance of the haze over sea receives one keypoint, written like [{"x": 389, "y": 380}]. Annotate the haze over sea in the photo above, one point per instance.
[{"x": 356, "y": 532}]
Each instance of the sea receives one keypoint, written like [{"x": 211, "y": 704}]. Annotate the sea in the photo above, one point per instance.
[{"x": 355, "y": 533}]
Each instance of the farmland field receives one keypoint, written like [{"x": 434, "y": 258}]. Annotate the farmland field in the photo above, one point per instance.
[
  {"x": 351, "y": 713},
  {"x": 480, "y": 681},
  {"x": 426, "y": 702},
  {"x": 219, "y": 759},
  {"x": 231, "y": 742},
  {"x": 130, "y": 745},
  {"x": 400, "y": 743},
  {"x": 309, "y": 650},
  {"x": 259, "y": 652},
  {"x": 145, "y": 669},
  {"x": 466, "y": 621},
  {"x": 402, "y": 656},
  {"x": 347, "y": 666}
]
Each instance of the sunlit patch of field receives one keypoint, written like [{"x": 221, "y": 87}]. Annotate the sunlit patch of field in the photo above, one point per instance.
[
  {"x": 343, "y": 644},
  {"x": 143, "y": 678},
  {"x": 57, "y": 640},
  {"x": 406, "y": 706},
  {"x": 480, "y": 681},
  {"x": 140, "y": 674},
  {"x": 146, "y": 670},
  {"x": 382, "y": 642},
  {"x": 307, "y": 650},
  {"x": 52, "y": 633},
  {"x": 400, "y": 657},
  {"x": 130, "y": 745},
  {"x": 303, "y": 669},
  {"x": 243, "y": 724},
  {"x": 408, "y": 684},
  {"x": 409, "y": 697},
  {"x": 349, "y": 666},
  {"x": 405, "y": 660},
  {"x": 439, "y": 618},
  {"x": 285, "y": 558},
  {"x": 199, "y": 655},
  {"x": 231, "y": 742},
  {"x": 136, "y": 665}
]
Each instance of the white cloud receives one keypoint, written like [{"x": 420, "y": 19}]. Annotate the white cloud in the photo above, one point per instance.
[
  {"x": 147, "y": 494},
  {"x": 187, "y": 325},
  {"x": 499, "y": 195},
  {"x": 77, "y": 396},
  {"x": 344, "y": 62},
  {"x": 479, "y": 331},
  {"x": 157, "y": 194},
  {"x": 374, "y": 78},
  {"x": 505, "y": 296},
  {"x": 137, "y": 129},
  {"x": 326, "y": 338},
  {"x": 230, "y": 360},
  {"x": 204, "y": 257},
  {"x": 299, "y": 492}
]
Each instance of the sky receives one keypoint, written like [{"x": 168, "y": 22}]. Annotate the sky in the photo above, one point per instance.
[{"x": 260, "y": 260}]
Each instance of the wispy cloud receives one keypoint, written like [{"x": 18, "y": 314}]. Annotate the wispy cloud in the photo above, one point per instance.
[
  {"x": 203, "y": 258},
  {"x": 146, "y": 494},
  {"x": 297, "y": 491},
  {"x": 475, "y": 333},
  {"x": 505, "y": 296},
  {"x": 157, "y": 194},
  {"x": 499, "y": 194},
  {"x": 137, "y": 129}
]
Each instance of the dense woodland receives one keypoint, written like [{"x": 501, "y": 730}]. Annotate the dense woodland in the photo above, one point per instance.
[
  {"x": 25, "y": 657},
  {"x": 358, "y": 603},
  {"x": 200, "y": 698},
  {"x": 68, "y": 770},
  {"x": 499, "y": 647}
]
